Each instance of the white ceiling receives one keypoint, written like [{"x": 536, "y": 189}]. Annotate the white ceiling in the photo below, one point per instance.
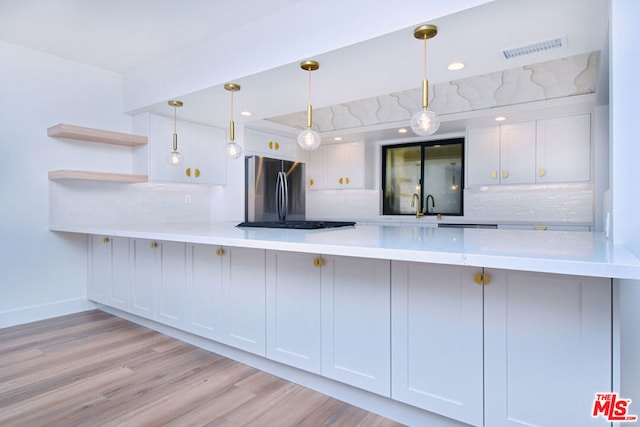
[{"x": 123, "y": 35}]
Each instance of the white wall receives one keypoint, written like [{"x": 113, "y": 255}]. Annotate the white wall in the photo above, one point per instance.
[
  {"x": 625, "y": 174},
  {"x": 43, "y": 273}
]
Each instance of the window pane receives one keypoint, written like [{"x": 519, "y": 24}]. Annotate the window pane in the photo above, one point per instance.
[
  {"x": 443, "y": 179},
  {"x": 402, "y": 179}
]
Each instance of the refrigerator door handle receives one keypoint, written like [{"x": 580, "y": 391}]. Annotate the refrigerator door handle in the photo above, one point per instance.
[
  {"x": 285, "y": 196},
  {"x": 280, "y": 203}
]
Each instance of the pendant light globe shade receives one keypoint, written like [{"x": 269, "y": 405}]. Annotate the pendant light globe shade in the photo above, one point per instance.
[
  {"x": 425, "y": 122},
  {"x": 309, "y": 139},
  {"x": 232, "y": 150},
  {"x": 174, "y": 158}
]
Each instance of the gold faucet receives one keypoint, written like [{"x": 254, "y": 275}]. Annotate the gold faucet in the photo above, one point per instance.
[{"x": 416, "y": 205}]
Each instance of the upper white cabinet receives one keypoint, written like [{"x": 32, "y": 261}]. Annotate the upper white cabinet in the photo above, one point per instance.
[
  {"x": 337, "y": 166},
  {"x": 543, "y": 151},
  {"x": 547, "y": 348},
  {"x": 437, "y": 339},
  {"x": 564, "y": 149},
  {"x": 269, "y": 144},
  {"x": 201, "y": 146}
]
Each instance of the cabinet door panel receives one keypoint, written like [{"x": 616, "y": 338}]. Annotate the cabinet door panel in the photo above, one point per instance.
[
  {"x": 171, "y": 292},
  {"x": 518, "y": 153},
  {"x": 146, "y": 277},
  {"x": 204, "y": 281},
  {"x": 99, "y": 279},
  {"x": 483, "y": 156},
  {"x": 120, "y": 273},
  {"x": 207, "y": 156},
  {"x": 547, "y": 348},
  {"x": 293, "y": 310},
  {"x": 161, "y": 144},
  {"x": 244, "y": 299},
  {"x": 437, "y": 339},
  {"x": 356, "y": 322}
]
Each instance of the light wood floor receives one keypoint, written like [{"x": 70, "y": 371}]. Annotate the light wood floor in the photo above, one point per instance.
[{"x": 95, "y": 369}]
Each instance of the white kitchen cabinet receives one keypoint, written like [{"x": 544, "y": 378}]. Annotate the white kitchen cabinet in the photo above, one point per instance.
[
  {"x": 356, "y": 322},
  {"x": 109, "y": 274},
  {"x": 547, "y": 348},
  {"x": 269, "y": 144},
  {"x": 204, "y": 290},
  {"x": 564, "y": 149},
  {"x": 201, "y": 146},
  {"x": 293, "y": 309},
  {"x": 501, "y": 154},
  {"x": 145, "y": 275},
  {"x": 337, "y": 166},
  {"x": 437, "y": 339},
  {"x": 244, "y": 299},
  {"x": 172, "y": 289}
]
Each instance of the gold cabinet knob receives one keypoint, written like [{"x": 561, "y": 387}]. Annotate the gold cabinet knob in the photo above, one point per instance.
[
  {"x": 154, "y": 245},
  {"x": 318, "y": 262},
  {"x": 542, "y": 172},
  {"x": 494, "y": 174},
  {"x": 197, "y": 172},
  {"x": 219, "y": 251},
  {"x": 105, "y": 240},
  {"x": 347, "y": 180},
  {"x": 277, "y": 146},
  {"x": 482, "y": 279},
  {"x": 310, "y": 182},
  {"x": 505, "y": 173},
  {"x": 188, "y": 171},
  {"x": 340, "y": 180}
]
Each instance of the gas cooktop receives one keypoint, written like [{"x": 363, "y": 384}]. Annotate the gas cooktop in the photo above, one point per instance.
[{"x": 300, "y": 225}]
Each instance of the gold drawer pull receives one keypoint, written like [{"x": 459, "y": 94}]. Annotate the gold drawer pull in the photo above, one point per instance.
[
  {"x": 318, "y": 262},
  {"x": 105, "y": 240},
  {"x": 494, "y": 174},
  {"x": 219, "y": 251},
  {"x": 505, "y": 173},
  {"x": 188, "y": 171},
  {"x": 347, "y": 180},
  {"x": 154, "y": 245},
  {"x": 197, "y": 172},
  {"x": 542, "y": 172},
  {"x": 482, "y": 279},
  {"x": 310, "y": 182},
  {"x": 340, "y": 181}
]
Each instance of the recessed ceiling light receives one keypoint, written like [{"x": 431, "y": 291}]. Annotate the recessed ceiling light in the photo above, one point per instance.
[
  {"x": 500, "y": 119},
  {"x": 402, "y": 130},
  {"x": 455, "y": 66},
  {"x": 337, "y": 138},
  {"x": 245, "y": 113}
]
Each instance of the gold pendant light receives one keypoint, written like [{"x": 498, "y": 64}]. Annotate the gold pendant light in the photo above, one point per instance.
[
  {"x": 425, "y": 122},
  {"x": 309, "y": 139},
  {"x": 232, "y": 150},
  {"x": 175, "y": 157}
]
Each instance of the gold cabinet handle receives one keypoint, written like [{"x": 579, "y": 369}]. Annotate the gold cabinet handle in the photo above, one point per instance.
[
  {"x": 197, "y": 172},
  {"x": 154, "y": 245},
  {"x": 347, "y": 180},
  {"x": 318, "y": 262},
  {"x": 310, "y": 182},
  {"x": 505, "y": 173},
  {"x": 482, "y": 279},
  {"x": 271, "y": 145},
  {"x": 340, "y": 181},
  {"x": 219, "y": 251},
  {"x": 494, "y": 174},
  {"x": 540, "y": 227},
  {"x": 542, "y": 172},
  {"x": 105, "y": 240},
  {"x": 188, "y": 171},
  {"x": 277, "y": 146}
]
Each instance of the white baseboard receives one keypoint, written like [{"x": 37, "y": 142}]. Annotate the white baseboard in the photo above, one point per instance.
[{"x": 44, "y": 311}]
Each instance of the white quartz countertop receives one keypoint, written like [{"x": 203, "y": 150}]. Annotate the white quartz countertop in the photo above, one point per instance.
[{"x": 563, "y": 252}]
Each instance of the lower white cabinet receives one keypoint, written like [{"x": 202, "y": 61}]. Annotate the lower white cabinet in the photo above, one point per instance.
[
  {"x": 244, "y": 299},
  {"x": 437, "y": 339},
  {"x": 145, "y": 275},
  {"x": 356, "y": 334},
  {"x": 293, "y": 309},
  {"x": 171, "y": 293},
  {"x": 109, "y": 275},
  {"x": 204, "y": 290},
  {"x": 547, "y": 348}
]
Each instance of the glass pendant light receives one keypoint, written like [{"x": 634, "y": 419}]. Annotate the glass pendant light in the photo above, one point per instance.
[
  {"x": 174, "y": 158},
  {"x": 425, "y": 122},
  {"x": 309, "y": 139},
  {"x": 232, "y": 150}
]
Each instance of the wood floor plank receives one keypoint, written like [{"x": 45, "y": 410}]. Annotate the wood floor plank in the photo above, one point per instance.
[{"x": 95, "y": 369}]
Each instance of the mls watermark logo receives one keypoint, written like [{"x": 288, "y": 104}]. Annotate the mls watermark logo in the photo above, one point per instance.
[{"x": 611, "y": 408}]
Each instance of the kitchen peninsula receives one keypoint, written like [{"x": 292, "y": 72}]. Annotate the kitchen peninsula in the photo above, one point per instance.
[{"x": 415, "y": 323}]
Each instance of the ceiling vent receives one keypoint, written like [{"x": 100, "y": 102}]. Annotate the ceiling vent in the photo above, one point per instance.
[{"x": 544, "y": 46}]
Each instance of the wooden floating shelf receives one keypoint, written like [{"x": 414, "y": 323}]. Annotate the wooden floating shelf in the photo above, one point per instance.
[
  {"x": 80, "y": 133},
  {"x": 97, "y": 176}
]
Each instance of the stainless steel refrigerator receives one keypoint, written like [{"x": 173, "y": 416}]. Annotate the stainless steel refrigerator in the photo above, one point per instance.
[{"x": 274, "y": 190}]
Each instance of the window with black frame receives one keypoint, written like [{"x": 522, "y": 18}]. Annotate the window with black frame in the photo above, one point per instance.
[{"x": 424, "y": 177}]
